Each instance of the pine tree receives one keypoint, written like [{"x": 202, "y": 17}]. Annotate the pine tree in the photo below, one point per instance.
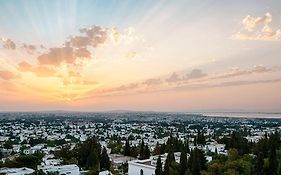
[
  {"x": 127, "y": 150},
  {"x": 104, "y": 161},
  {"x": 158, "y": 170},
  {"x": 183, "y": 163}
]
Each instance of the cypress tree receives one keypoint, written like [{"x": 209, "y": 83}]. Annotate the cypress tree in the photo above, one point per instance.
[
  {"x": 187, "y": 146},
  {"x": 272, "y": 155},
  {"x": 183, "y": 162},
  {"x": 168, "y": 163},
  {"x": 92, "y": 160},
  {"x": 259, "y": 164},
  {"x": 127, "y": 150},
  {"x": 142, "y": 151},
  {"x": 157, "y": 149},
  {"x": 197, "y": 162},
  {"x": 158, "y": 170},
  {"x": 146, "y": 152},
  {"x": 104, "y": 162}
]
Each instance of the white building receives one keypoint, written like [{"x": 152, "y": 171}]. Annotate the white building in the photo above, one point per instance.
[
  {"x": 213, "y": 147},
  {"x": 105, "y": 173},
  {"x": 148, "y": 166},
  {"x": 29, "y": 151},
  {"x": 141, "y": 167},
  {"x": 16, "y": 171},
  {"x": 63, "y": 169}
]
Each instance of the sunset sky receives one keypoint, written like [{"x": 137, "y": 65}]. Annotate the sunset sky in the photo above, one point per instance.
[{"x": 168, "y": 55}]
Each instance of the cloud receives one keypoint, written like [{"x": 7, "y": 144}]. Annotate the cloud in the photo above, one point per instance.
[
  {"x": 7, "y": 75},
  {"x": 94, "y": 36},
  {"x": 240, "y": 83},
  {"x": 250, "y": 23},
  {"x": 29, "y": 48},
  {"x": 152, "y": 81},
  {"x": 74, "y": 74},
  {"x": 66, "y": 64},
  {"x": 56, "y": 56},
  {"x": 40, "y": 71},
  {"x": 258, "y": 28},
  {"x": 8, "y": 43},
  {"x": 77, "y": 46},
  {"x": 24, "y": 66},
  {"x": 234, "y": 72},
  {"x": 79, "y": 41},
  {"x": 123, "y": 88},
  {"x": 173, "y": 78},
  {"x": 96, "y": 33},
  {"x": 194, "y": 74},
  {"x": 43, "y": 71},
  {"x": 82, "y": 53}
]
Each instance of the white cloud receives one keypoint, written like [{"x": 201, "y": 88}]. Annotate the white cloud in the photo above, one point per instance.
[
  {"x": 250, "y": 23},
  {"x": 258, "y": 28}
]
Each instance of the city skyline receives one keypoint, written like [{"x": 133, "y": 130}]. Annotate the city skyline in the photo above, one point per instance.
[{"x": 140, "y": 55}]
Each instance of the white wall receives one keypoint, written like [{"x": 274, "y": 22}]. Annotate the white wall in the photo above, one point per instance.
[{"x": 135, "y": 169}]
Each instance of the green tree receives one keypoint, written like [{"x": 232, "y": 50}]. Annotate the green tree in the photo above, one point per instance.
[
  {"x": 88, "y": 153},
  {"x": 183, "y": 163},
  {"x": 127, "y": 149},
  {"x": 186, "y": 145},
  {"x": 259, "y": 164},
  {"x": 158, "y": 170},
  {"x": 104, "y": 161},
  {"x": 29, "y": 161},
  {"x": 142, "y": 150},
  {"x": 157, "y": 149},
  {"x": 92, "y": 160},
  {"x": 146, "y": 152},
  {"x": 169, "y": 162},
  {"x": 197, "y": 162},
  {"x": 134, "y": 151},
  {"x": 8, "y": 144},
  {"x": 273, "y": 159}
]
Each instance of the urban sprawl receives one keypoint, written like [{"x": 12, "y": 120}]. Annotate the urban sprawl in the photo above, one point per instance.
[{"x": 137, "y": 143}]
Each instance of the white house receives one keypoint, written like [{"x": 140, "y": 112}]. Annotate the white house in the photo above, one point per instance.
[
  {"x": 105, "y": 173},
  {"x": 213, "y": 147},
  {"x": 141, "y": 167},
  {"x": 148, "y": 166},
  {"x": 63, "y": 169},
  {"x": 28, "y": 151},
  {"x": 16, "y": 171}
]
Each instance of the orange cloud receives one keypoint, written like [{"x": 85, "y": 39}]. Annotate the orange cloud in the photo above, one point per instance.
[
  {"x": 41, "y": 71},
  {"x": 7, "y": 75},
  {"x": 56, "y": 56},
  {"x": 24, "y": 66}
]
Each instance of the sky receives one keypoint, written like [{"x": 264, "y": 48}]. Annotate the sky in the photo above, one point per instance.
[{"x": 144, "y": 55}]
